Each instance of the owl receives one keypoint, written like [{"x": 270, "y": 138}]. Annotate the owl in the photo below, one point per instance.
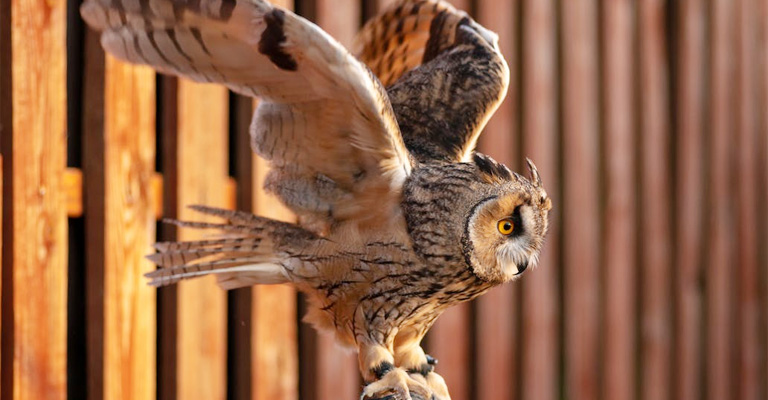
[{"x": 399, "y": 218}]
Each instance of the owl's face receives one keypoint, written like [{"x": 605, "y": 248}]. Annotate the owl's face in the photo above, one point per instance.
[{"x": 505, "y": 230}]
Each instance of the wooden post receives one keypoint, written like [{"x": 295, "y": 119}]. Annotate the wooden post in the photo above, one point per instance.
[
  {"x": 689, "y": 208},
  {"x": 719, "y": 225},
  {"x": 539, "y": 371},
  {"x": 336, "y": 373},
  {"x": 193, "y": 329},
  {"x": 746, "y": 375},
  {"x": 34, "y": 276},
  {"x": 619, "y": 224},
  {"x": 497, "y": 313},
  {"x": 120, "y": 226},
  {"x": 581, "y": 227},
  {"x": 655, "y": 228}
]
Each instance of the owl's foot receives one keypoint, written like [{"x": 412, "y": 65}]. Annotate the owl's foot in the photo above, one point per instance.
[
  {"x": 437, "y": 385},
  {"x": 397, "y": 384}
]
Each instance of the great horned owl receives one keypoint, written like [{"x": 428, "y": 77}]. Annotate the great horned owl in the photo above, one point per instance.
[{"x": 399, "y": 218}]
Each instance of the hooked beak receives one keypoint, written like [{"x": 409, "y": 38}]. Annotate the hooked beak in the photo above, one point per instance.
[{"x": 521, "y": 267}]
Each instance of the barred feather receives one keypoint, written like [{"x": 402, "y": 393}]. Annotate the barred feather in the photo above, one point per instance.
[{"x": 255, "y": 254}]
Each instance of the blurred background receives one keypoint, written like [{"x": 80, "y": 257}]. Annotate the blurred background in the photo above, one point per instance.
[{"x": 647, "y": 119}]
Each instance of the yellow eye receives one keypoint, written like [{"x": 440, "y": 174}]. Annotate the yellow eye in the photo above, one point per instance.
[{"x": 506, "y": 226}]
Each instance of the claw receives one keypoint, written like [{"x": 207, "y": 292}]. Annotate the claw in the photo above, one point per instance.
[{"x": 396, "y": 384}]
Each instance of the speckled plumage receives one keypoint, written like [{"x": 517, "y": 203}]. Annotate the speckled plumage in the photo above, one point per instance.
[{"x": 398, "y": 218}]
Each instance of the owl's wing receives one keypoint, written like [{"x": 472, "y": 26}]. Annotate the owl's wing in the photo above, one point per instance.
[
  {"x": 325, "y": 121},
  {"x": 444, "y": 74}
]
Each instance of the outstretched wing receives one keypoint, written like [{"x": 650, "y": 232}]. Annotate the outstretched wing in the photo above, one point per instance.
[
  {"x": 444, "y": 73},
  {"x": 325, "y": 121}
]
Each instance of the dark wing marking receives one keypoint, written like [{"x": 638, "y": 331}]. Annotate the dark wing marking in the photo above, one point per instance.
[
  {"x": 446, "y": 81},
  {"x": 325, "y": 120}
]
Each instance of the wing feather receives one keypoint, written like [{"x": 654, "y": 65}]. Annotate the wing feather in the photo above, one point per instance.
[
  {"x": 323, "y": 114},
  {"x": 444, "y": 73}
]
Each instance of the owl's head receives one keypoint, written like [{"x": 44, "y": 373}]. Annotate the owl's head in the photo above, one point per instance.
[{"x": 505, "y": 229}]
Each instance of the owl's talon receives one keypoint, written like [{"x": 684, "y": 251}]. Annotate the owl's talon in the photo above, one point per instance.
[{"x": 396, "y": 384}]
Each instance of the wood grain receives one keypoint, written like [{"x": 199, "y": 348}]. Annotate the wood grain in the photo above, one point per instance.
[
  {"x": 655, "y": 228},
  {"x": 497, "y": 312},
  {"x": 746, "y": 374},
  {"x": 581, "y": 261},
  {"x": 120, "y": 228},
  {"x": 620, "y": 214},
  {"x": 202, "y": 177},
  {"x": 34, "y": 356},
  {"x": 689, "y": 167},
  {"x": 275, "y": 348},
  {"x": 541, "y": 355},
  {"x": 720, "y": 217},
  {"x": 762, "y": 168},
  {"x": 449, "y": 342}
]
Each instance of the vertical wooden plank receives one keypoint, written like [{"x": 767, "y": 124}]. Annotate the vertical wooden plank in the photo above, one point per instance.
[
  {"x": 6, "y": 120},
  {"x": 337, "y": 374},
  {"x": 202, "y": 175},
  {"x": 655, "y": 323},
  {"x": 539, "y": 376},
  {"x": 35, "y": 257},
  {"x": 340, "y": 18},
  {"x": 619, "y": 223},
  {"x": 496, "y": 312},
  {"x": 762, "y": 112},
  {"x": 119, "y": 139},
  {"x": 690, "y": 192},
  {"x": 580, "y": 210},
  {"x": 720, "y": 226},
  {"x": 746, "y": 374},
  {"x": 274, "y": 347},
  {"x": 129, "y": 304},
  {"x": 449, "y": 342}
]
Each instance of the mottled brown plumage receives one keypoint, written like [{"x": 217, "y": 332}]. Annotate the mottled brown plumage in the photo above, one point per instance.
[{"x": 399, "y": 219}]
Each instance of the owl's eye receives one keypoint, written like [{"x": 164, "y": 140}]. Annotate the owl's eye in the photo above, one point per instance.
[{"x": 506, "y": 226}]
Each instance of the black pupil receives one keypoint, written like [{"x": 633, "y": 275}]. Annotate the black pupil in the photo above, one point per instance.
[{"x": 507, "y": 226}]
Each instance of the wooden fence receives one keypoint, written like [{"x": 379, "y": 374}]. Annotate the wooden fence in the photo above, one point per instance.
[{"x": 648, "y": 121}]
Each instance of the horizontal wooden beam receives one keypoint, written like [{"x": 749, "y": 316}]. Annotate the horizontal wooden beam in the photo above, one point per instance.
[{"x": 73, "y": 187}]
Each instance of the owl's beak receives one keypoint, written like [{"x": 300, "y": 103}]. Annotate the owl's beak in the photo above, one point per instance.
[{"x": 522, "y": 267}]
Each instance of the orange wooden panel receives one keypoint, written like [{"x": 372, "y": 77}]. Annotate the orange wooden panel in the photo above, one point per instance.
[
  {"x": 337, "y": 375},
  {"x": 35, "y": 249},
  {"x": 497, "y": 312},
  {"x": 690, "y": 192},
  {"x": 746, "y": 374},
  {"x": 129, "y": 230},
  {"x": 202, "y": 176},
  {"x": 274, "y": 338},
  {"x": 449, "y": 342},
  {"x": 719, "y": 226},
  {"x": 539, "y": 371},
  {"x": 580, "y": 208},
  {"x": 619, "y": 234},
  {"x": 656, "y": 270},
  {"x": 274, "y": 367}
]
